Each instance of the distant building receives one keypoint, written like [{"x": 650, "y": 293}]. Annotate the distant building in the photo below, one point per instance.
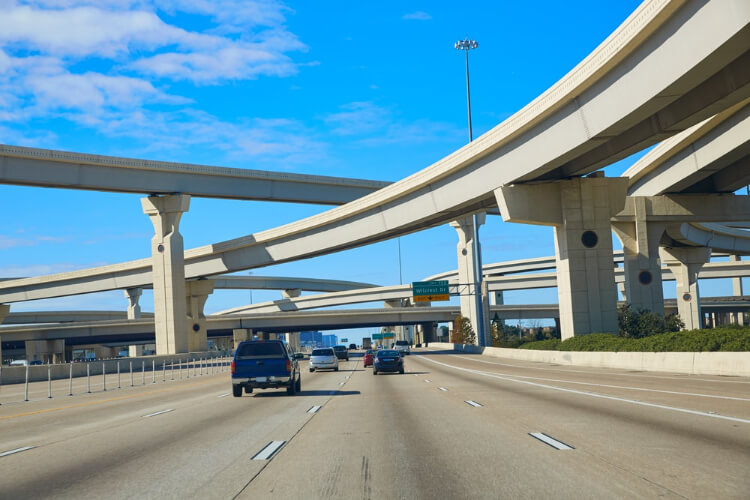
[
  {"x": 330, "y": 340},
  {"x": 311, "y": 339}
]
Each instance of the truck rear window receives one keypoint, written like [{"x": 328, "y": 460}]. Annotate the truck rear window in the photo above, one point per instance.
[{"x": 260, "y": 350}]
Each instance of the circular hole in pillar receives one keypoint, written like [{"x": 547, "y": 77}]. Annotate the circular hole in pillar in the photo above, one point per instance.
[
  {"x": 686, "y": 297},
  {"x": 589, "y": 239},
  {"x": 645, "y": 277},
  {"x": 464, "y": 252},
  {"x": 196, "y": 327},
  {"x": 160, "y": 248}
]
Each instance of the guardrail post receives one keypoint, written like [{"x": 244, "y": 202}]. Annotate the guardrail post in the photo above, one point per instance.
[
  {"x": 164, "y": 370},
  {"x": 88, "y": 377},
  {"x": 118, "y": 374},
  {"x": 153, "y": 371},
  {"x": 180, "y": 368},
  {"x": 104, "y": 377},
  {"x": 171, "y": 371},
  {"x": 70, "y": 392},
  {"x": 49, "y": 381},
  {"x": 131, "y": 374},
  {"x": 143, "y": 373}
]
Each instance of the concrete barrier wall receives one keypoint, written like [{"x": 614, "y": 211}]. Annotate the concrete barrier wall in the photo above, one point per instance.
[
  {"x": 695, "y": 363},
  {"x": 37, "y": 373}
]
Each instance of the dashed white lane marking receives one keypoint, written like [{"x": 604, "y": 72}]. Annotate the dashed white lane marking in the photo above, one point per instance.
[
  {"x": 427, "y": 380},
  {"x": 593, "y": 394},
  {"x": 443, "y": 389},
  {"x": 473, "y": 403},
  {"x": 158, "y": 413},
  {"x": 267, "y": 452},
  {"x": 612, "y": 386},
  {"x": 314, "y": 409},
  {"x": 342, "y": 383},
  {"x": 550, "y": 441},
  {"x": 223, "y": 395},
  {"x": 17, "y": 450}
]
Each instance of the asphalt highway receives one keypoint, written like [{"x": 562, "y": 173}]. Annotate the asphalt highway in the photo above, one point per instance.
[{"x": 454, "y": 426}]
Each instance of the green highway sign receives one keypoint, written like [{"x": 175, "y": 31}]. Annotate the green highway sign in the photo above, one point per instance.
[
  {"x": 344, "y": 341},
  {"x": 377, "y": 336},
  {"x": 427, "y": 291},
  {"x": 389, "y": 335}
]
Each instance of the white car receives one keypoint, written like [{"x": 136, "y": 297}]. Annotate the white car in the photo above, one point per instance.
[
  {"x": 324, "y": 358},
  {"x": 19, "y": 362},
  {"x": 402, "y": 346}
]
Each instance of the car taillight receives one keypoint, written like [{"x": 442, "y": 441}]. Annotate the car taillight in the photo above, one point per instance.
[
  {"x": 232, "y": 367},
  {"x": 288, "y": 365}
]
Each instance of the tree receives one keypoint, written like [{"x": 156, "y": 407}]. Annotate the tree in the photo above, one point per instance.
[
  {"x": 642, "y": 323},
  {"x": 463, "y": 333}
]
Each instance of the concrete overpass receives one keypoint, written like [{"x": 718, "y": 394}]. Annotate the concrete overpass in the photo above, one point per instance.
[{"x": 665, "y": 69}]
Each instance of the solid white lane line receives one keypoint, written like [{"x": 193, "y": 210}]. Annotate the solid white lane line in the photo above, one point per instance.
[
  {"x": 594, "y": 394},
  {"x": 267, "y": 452},
  {"x": 550, "y": 441},
  {"x": 443, "y": 389},
  {"x": 223, "y": 395},
  {"x": 158, "y": 413},
  {"x": 473, "y": 403},
  {"x": 17, "y": 450},
  {"x": 612, "y": 386},
  {"x": 314, "y": 409}
]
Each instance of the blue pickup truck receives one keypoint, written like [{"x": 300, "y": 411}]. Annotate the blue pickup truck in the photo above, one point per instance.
[{"x": 265, "y": 364}]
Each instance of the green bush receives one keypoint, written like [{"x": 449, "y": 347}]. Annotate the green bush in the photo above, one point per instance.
[
  {"x": 642, "y": 323},
  {"x": 730, "y": 339}
]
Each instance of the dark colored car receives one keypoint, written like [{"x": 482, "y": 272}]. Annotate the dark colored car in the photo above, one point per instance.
[
  {"x": 369, "y": 357},
  {"x": 388, "y": 360},
  {"x": 264, "y": 364},
  {"x": 352, "y": 347},
  {"x": 341, "y": 352}
]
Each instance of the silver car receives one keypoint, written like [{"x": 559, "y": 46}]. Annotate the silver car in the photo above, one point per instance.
[{"x": 324, "y": 359}]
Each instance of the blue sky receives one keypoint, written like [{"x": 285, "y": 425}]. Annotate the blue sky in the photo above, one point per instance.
[{"x": 353, "y": 89}]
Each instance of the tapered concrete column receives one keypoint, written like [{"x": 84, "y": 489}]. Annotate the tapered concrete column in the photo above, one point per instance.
[
  {"x": 241, "y": 334},
  {"x": 580, "y": 211},
  {"x": 292, "y": 338},
  {"x": 737, "y": 317},
  {"x": 135, "y": 351},
  {"x": 4, "y": 310},
  {"x": 398, "y": 330},
  {"x": 168, "y": 269},
  {"x": 196, "y": 294},
  {"x": 133, "y": 295},
  {"x": 470, "y": 299},
  {"x": 640, "y": 244},
  {"x": 685, "y": 263}
]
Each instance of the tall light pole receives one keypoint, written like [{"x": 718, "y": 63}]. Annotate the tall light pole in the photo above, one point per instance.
[{"x": 466, "y": 45}]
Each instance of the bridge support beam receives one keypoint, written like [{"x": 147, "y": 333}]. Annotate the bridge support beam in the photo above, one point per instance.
[
  {"x": 168, "y": 271},
  {"x": 292, "y": 338},
  {"x": 640, "y": 243},
  {"x": 737, "y": 317},
  {"x": 241, "y": 334},
  {"x": 4, "y": 311},
  {"x": 580, "y": 211},
  {"x": 685, "y": 263},
  {"x": 471, "y": 299},
  {"x": 196, "y": 294},
  {"x": 134, "y": 295}
]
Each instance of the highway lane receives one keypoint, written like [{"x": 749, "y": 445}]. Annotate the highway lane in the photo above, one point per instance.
[
  {"x": 392, "y": 436},
  {"x": 105, "y": 445}
]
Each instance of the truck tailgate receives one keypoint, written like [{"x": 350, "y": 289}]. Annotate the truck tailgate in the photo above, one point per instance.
[{"x": 268, "y": 367}]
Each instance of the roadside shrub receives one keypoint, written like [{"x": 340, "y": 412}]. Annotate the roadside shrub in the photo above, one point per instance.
[
  {"x": 542, "y": 345},
  {"x": 642, "y": 323}
]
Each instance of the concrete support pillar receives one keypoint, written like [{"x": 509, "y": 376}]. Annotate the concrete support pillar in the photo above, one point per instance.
[
  {"x": 135, "y": 351},
  {"x": 470, "y": 298},
  {"x": 241, "y": 334},
  {"x": 399, "y": 329},
  {"x": 196, "y": 294},
  {"x": 580, "y": 211},
  {"x": 292, "y": 338},
  {"x": 168, "y": 271},
  {"x": 685, "y": 263},
  {"x": 738, "y": 317},
  {"x": 4, "y": 310},
  {"x": 133, "y": 295},
  {"x": 46, "y": 351},
  {"x": 640, "y": 244}
]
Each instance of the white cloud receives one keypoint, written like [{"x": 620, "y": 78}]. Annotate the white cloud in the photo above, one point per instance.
[
  {"x": 358, "y": 118},
  {"x": 417, "y": 16}
]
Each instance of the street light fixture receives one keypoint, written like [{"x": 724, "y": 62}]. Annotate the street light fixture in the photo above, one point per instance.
[{"x": 466, "y": 45}]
